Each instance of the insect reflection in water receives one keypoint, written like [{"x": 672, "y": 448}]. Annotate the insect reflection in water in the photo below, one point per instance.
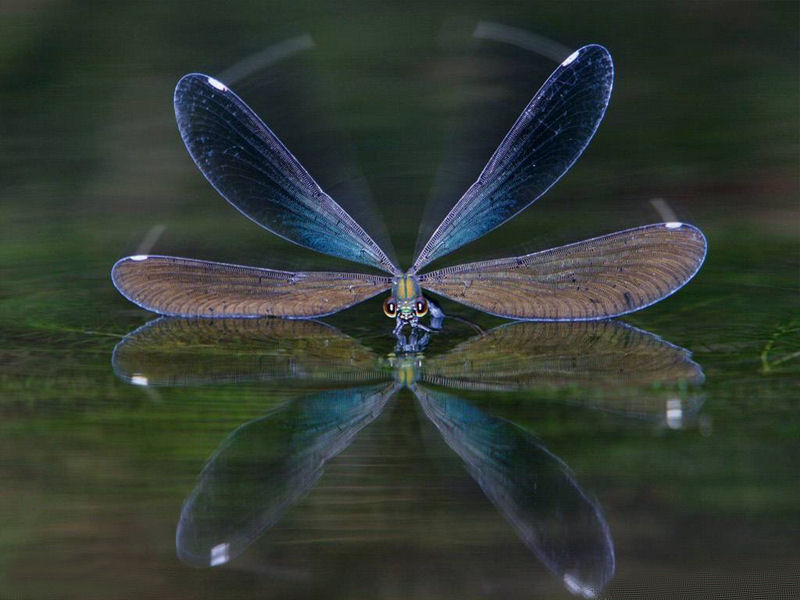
[
  {"x": 597, "y": 278},
  {"x": 267, "y": 465}
]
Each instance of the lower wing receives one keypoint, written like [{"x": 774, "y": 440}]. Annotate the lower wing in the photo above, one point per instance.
[
  {"x": 186, "y": 287},
  {"x": 266, "y": 466},
  {"x": 598, "y": 278},
  {"x": 531, "y": 487}
]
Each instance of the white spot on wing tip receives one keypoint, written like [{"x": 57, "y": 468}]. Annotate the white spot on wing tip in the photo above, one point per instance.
[
  {"x": 140, "y": 257},
  {"x": 139, "y": 380},
  {"x": 673, "y": 224},
  {"x": 674, "y": 413},
  {"x": 573, "y": 584},
  {"x": 218, "y": 84},
  {"x": 570, "y": 58},
  {"x": 219, "y": 555}
]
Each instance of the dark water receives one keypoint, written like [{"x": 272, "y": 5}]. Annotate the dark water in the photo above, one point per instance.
[{"x": 654, "y": 457}]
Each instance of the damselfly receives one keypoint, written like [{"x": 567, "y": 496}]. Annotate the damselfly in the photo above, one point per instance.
[{"x": 248, "y": 165}]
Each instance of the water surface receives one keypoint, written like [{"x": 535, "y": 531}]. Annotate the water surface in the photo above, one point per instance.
[{"x": 654, "y": 457}]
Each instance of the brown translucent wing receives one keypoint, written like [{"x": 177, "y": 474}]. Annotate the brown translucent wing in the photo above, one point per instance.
[
  {"x": 186, "y": 287},
  {"x": 598, "y": 278}
]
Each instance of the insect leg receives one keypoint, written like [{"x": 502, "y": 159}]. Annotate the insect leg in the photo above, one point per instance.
[{"x": 437, "y": 314}]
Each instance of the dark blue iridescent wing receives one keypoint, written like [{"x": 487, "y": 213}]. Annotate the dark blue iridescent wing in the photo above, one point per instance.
[
  {"x": 250, "y": 167},
  {"x": 531, "y": 488},
  {"x": 265, "y": 467},
  {"x": 549, "y": 136}
]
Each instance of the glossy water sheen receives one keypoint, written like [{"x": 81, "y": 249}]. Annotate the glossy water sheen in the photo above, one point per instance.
[{"x": 653, "y": 458}]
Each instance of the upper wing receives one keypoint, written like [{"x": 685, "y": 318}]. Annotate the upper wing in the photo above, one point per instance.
[
  {"x": 549, "y": 136},
  {"x": 253, "y": 170},
  {"x": 598, "y": 278},
  {"x": 185, "y": 287}
]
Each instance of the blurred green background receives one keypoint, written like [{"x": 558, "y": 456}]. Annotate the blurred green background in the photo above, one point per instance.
[{"x": 393, "y": 107}]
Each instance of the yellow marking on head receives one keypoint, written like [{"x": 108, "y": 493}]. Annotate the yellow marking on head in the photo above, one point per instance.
[{"x": 405, "y": 288}]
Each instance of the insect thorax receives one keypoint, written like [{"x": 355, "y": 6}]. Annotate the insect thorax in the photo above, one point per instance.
[{"x": 405, "y": 288}]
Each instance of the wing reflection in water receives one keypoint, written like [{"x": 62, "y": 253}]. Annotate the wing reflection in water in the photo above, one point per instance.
[
  {"x": 267, "y": 465},
  {"x": 604, "y": 365},
  {"x": 532, "y": 488},
  {"x": 182, "y": 352}
]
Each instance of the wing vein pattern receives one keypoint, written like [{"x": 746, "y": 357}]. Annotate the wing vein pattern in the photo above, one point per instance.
[
  {"x": 598, "y": 278},
  {"x": 549, "y": 136},
  {"x": 252, "y": 169},
  {"x": 197, "y": 288}
]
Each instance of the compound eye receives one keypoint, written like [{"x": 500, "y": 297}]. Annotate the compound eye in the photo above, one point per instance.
[
  {"x": 421, "y": 307},
  {"x": 390, "y": 308}
]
